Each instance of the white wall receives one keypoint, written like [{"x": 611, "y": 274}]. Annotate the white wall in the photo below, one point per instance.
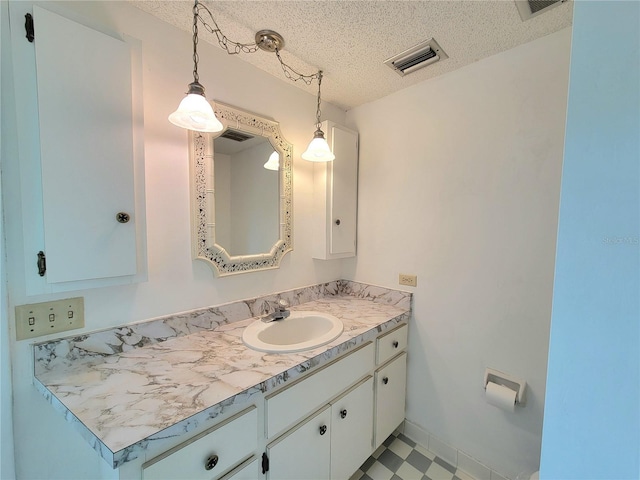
[
  {"x": 459, "y": 183},
  {"x": 46, "y": 446},
  {"x": 593, "y": 388},
  {"x": 6, "y": 423}
]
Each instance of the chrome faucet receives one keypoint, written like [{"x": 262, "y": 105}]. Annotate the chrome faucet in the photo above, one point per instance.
[{"x": 280, "y": 313}]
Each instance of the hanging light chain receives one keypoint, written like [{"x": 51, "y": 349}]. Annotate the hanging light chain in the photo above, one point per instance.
[
  {"x": 234, "y": 48},
  {"x": 294, "y": 75},
  {"x": 196, "y": 78},
  {"x": 318, "y": 111}
]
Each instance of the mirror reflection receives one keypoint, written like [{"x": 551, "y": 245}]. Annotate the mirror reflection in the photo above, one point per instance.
[
  {"x": 241, "y": 202},
  {"x": 247, "y": 197}
]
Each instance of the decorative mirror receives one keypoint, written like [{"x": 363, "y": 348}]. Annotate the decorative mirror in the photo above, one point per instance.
[{"x": 241, "y": 201}]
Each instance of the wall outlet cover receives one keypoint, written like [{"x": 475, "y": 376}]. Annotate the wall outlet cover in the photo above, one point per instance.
[{"x": 406, "y": 279}]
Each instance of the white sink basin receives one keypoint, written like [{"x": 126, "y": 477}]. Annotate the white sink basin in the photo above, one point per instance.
[{"x": 302, "y": 330}]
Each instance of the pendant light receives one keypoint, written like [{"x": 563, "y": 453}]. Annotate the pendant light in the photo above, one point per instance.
[
  {"x": 274, "y": 162},
  {"x": 194, "y": 111},
  {"x": 318, "y": 149}
]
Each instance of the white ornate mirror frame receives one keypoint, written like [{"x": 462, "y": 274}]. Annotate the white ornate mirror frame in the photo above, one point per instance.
[{"x": 203, "y": 233}]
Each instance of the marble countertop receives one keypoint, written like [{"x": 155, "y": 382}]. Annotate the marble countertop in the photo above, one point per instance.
[{"x": 122, "y": 402}]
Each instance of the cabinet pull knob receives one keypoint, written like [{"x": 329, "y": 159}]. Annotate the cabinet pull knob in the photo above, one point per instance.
[
  {"x": 323, "y": 429},
  {"x": 395, "y": 344},
  {"x": 211, "y": 462},
  {"x": 123, "y": 217},
  {"x": 343, "y": 413},
  {"x": 338, "y": 222},
  {"x": 385, "y": 380}
]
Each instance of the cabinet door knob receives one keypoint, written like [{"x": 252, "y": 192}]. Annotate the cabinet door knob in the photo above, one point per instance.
[
  {"x": 343, "y": 413},
  {"x": 385, "y": 380},
  {"x": 338, "y": 222},
  {"x": 211, "y": 462},
  {"x": 323, "y": 429},
  {"x": 395, "y": 344},
  {"x": 123, "y": 217}
]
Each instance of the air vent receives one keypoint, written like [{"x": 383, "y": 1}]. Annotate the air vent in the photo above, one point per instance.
[
  {"x": 416, "y": 57},
  {"x": 236, "y": 135},
  {"x": 532, "y": 8}
]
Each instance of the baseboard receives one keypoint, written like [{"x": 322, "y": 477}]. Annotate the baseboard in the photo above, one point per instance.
[{"x": 455, "y": 457}]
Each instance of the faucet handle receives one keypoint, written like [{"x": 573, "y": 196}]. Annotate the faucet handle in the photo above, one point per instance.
[{"x": 283, "y": 304}]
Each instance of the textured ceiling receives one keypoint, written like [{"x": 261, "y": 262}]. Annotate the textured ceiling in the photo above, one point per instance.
[{"x": 350, "y": 40}]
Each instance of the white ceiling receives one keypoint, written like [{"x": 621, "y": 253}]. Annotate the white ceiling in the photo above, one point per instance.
[{"x": 349, "y": 40}]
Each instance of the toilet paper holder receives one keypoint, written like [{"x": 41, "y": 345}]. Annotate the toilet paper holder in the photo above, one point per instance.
[{"x": 506, "y": 380}]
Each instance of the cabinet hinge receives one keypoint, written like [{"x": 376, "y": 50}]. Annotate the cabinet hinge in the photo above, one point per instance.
[
  {"x": 28, "y": 25},
  {"x": 265, "y": 463},
  {"x": 42, "y": 263}
]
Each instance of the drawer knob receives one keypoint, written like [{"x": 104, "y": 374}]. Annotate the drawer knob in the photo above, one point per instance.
[
  {"x": 385, "y": 380},
  {"x": 343, "y": 413},
  {"x": 395, "y": 344},
  {"x": 323, "y": 429},
  {"x": 338, "y": 222},
  {"x": 211, "y": 462}
]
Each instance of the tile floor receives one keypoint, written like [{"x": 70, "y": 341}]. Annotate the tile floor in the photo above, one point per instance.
[{"x": 400, "y": 458}]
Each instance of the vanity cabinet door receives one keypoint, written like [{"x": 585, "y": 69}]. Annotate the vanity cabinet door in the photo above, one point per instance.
[
  {"x": 335, "y": 196},
  {"x": 351, "y": 430},
  {"x": 390, "y": 391},
  {"x": 304, "y": 452}
]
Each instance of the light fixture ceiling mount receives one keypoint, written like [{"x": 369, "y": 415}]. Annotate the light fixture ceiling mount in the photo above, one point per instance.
[{"x": 269, "y": 41}]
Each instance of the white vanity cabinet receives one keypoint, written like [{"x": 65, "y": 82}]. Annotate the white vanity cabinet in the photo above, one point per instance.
[
  {"x": 335, "y": 196},
  {"x": 323, "y": 425}
]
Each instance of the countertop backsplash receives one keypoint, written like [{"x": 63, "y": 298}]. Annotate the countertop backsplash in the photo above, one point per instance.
[{"x": 93, "y": 346}]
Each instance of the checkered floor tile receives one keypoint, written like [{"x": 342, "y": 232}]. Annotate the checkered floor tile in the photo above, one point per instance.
[{"x": 400, "y": 458}]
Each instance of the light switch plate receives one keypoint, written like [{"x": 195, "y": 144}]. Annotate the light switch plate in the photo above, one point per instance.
[
  {"x": 406, "y": 279},
  {"x": 37, "y": 319}
]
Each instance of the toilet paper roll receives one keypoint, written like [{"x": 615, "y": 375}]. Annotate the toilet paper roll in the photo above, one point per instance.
[{"x": 501, "y": 397}]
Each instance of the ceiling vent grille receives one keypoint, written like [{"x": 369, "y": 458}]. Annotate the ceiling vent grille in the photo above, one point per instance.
[
  {"x": 236, "y": 135},
  {"x": 532, "y": 8},
  {"x": 416, "y": 57}
]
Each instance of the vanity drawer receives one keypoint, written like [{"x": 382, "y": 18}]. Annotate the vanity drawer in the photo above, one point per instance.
[
  {"x": 390, "y": 344},
  {"x": 232, "y": 441},
  {"x": 309, "y": 393}
]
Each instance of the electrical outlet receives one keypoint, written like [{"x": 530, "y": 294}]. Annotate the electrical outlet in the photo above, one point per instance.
[
  {"x": 405, "y": 279},
  {"x": 37, "y": 319}
]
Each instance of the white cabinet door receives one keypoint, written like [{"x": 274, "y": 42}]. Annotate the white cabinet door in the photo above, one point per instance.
[
  {"x": 303, "y": 454},
  {"x": 86, "y": 144},
  {"x": 336, "y": 196},
  {"x": 351, "y": 430},
  {"x": 390, "y": 391}
]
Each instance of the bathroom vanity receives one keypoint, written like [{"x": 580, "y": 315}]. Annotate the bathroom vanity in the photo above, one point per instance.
[{"x": 185, "y": 398}]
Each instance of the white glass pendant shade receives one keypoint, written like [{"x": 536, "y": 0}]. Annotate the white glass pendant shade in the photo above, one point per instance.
[
  {"x": 274, "y": 162},
  {"x": 318, "y": 150},
  {"x": 195, "y": 112}
]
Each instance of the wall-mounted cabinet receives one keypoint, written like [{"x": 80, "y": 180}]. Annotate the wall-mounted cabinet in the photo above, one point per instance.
[
  {"x": 335, "y": 196},
  {"x": 80, "y": 151}
]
